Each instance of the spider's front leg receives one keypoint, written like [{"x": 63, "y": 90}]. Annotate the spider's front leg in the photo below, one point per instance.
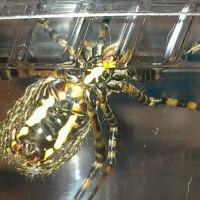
[
  {"x": 193, "y": 53},
  {"x": 56, "y": 36},
  {"x": 139, "y": 75},
  {"x": 99, "y": 143},
  {"x": 123, "y": 86},
  {"x": 195, "y": 48}
]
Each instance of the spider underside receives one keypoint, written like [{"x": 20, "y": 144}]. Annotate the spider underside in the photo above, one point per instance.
[{"x": 37, "y": 144}]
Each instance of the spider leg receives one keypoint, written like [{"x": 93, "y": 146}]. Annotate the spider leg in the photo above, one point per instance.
[
  {"x": 193, "y": 49},
  {"x": 56, "y": 36},
  {"x": 105, "y": 27},
  {"x": 86, "y": 51},
  {"x": 7, "y": 74},
  {"x": 140, "y": 75},
  {"x": 25, "y": 69},
  {"x": 123, "y": 86},
  {"x": 111, "y": 156},
  {"x": 99, "y": 144}
]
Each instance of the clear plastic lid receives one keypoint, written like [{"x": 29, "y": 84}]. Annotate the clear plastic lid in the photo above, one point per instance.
[{"x": 157, "y": 33}]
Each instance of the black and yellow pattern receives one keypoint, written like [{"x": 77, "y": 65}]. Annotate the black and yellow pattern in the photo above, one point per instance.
[
  {"x": 194, "y": 49},
  {"x": 47, "y": 125}
]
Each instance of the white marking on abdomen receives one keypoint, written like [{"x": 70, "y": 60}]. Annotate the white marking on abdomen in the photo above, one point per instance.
[{"x": 24, "y": 131}]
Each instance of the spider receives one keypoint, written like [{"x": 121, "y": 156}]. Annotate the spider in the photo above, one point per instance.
[{"x": 47, "y": 125}]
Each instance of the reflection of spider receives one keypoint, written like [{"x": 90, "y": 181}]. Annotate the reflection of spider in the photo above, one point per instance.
[
  {"x": 193, "y": 49},
  {"x": 193, "y": 53},
  {"x": 48, "y": 124}
]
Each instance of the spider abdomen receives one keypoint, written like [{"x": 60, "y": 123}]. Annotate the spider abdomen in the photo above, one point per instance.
[{"x": 53, "y": 125}]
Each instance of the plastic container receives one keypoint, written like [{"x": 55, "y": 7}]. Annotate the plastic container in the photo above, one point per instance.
[{"x": 158, "y": 151}]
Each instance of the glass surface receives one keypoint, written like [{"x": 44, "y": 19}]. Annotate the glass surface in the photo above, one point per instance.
[
  {"x": 133, "y": 25},
  {"x": 158, "y": 150},
  {"x": 157, "y": 153}
]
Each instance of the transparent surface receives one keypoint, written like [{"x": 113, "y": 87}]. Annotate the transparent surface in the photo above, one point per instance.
[
  {"x": 158, "y": 151},
  {"x": 154, "y": 37}
]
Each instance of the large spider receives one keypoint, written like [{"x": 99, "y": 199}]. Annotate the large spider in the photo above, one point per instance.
[{"x": 47, "y": 125}]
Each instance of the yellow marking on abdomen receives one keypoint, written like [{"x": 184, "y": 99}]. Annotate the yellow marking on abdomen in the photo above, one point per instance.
[
  {"x": 77, "y": 91},
  {"x": 48, "y": 153},
  {"x": 40, "y": 112},
  {"x": 13, "y": 144},
  {"x": 64, "y": 132}
]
